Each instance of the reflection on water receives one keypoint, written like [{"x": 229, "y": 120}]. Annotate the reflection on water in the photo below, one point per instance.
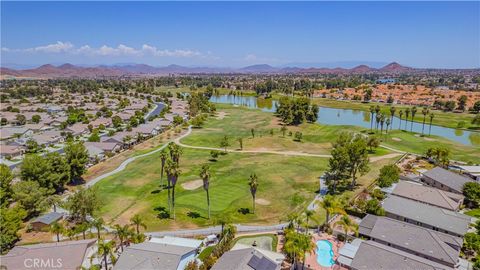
[{"x": 333, "y": 116}]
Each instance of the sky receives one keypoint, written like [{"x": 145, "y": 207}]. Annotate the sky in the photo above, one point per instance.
[{"x": 234, "y": 34}]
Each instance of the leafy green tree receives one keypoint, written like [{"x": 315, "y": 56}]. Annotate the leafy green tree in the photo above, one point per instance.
[
  {"x": 298, "y": 136},
  {"x": 138, "y": 222},
  {"x": 59, "y": 170},
  {"x": 21, "y": 119},
  {"x": 471, "y": 244},
  {"x": 240, "y": 142},
  {"x": 462, "y": 102},
  {"x": 373, "y": 142},
  {"x": 389, "y": 174},
  {"x": 374, "y": 207},
  {"x": 476, "y": 107},
  {"x": 6, "y": 177},
  {"x": 283, "y": 129},
  {"x": 471, "y": 191},
  {"x": 10, "y": 223},
  {"x": 439, "y": 155},
  {"x": 32, "y": 147},
  {"x": 214, "y": 154},
  {"x": 77, "y": 157},
  {"x": 31, "y": 196},
  {"x": 224, "y": 143},
  {"x": 116, "y": 121},
  {"x": 83, "y": 203},
  {"x": 205, "y": 175},
  {"x": 94, "y": 137},
  {"x": 253, "y": 183}
]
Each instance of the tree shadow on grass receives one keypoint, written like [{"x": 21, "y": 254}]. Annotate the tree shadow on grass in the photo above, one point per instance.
[
  {"x": 156, "y": 191},
  {"x": 162, "y": 212},
  {"x": 192, "y": 214},
  {"x": 244, "y": 211}
]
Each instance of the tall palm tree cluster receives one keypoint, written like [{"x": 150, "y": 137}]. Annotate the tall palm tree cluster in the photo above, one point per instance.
[
  {"x": 128, "y": 233},
  {"x": 169, "y": 161},
  {"x": 381, "y": 119}
]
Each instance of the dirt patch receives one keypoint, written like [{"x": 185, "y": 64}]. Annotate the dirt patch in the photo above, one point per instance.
[
  {"x": 396, "y": 139},
  {"x": 221, "y": 115},
  {"x": 388, "y": 156},
  {"x": 429, "y": 139},
  {"x": 192, "y": 185},
  {"x": 261, "y": 201}
]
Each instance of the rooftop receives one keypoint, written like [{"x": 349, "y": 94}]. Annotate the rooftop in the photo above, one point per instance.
[
  {"x": 447, "y": 178},
  {"x": 427, "y": 214},
  {"x": 428, "y": 195}
]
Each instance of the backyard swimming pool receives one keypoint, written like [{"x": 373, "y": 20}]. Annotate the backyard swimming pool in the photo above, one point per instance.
[{"x": 325, "y": 253}]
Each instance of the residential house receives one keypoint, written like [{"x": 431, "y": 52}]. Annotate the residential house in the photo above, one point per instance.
[
  {"x": 445, "y": 180},
  {"x": 429, "y": 195},
  {"x": 427, "y": 216},
  {"x": 147, "y": 130},
  {"x": 151, "y": 255},
  {"x": 471, "y": 171},
  {"x": 243, "y": 257},
  {"x": 59, "y": 255},
  {"x": 95, "y": 154},
  {"x": 106, "y": 122},
  {"x": 367, "y": 255},
  {"x": 9, "y": 133},
  {"x": 77, "y": 129},
  {"x": 429, "y": 244},
  {"x": 43, "y": 222},
  {"x": 11, "y": 151},
  {"x": 107, "y": 147}
]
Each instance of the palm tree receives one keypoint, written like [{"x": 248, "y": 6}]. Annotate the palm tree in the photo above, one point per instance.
[
  {"x": 57, "y": 228},
  {"x": 253, "y": 183},
  {"x": 308, "y": 216},
  {"x": 331, "y": 205},
  {"x": 82, "y": 228},
  {"x": 392, "y": 114},
  {"x": 372, "y": 111},
  {"x": 431, "y": 119},
  {"x": 425, "y": 111},
  {"x": 388, "y": 124},
  {"x": 205, "y": 175},
  {"x": 138, "y": 221},
  {"x": 378, "y": 117},
  {"x": 400, "y": 114},
  {"x": 348, "y": 225},
  {"x": 175, "y": 152},
  {"x": 163, "y": 159},
  {"x": 123, "y": 233},
  {"x": 106, "y": 249},
  {"x": 98, "y": 224},
  {"x": 382, "y": 121},
  {"x": 407, "y": 113},
  {"x": 172, "y": 174},
  {"x": 414, "y": 111}
]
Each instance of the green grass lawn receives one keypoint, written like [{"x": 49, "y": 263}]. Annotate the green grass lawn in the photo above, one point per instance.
[
  {"x": 445, "y": 119},
  {"x": 473, "y": 213},
  {"x": 286, "y": 184},
  {"x": 263, "y": 241}
]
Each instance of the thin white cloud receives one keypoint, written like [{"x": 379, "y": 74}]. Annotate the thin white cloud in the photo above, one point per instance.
[
  {"x": 105, "y": 50},
  {"x": 253, "y": 58}
]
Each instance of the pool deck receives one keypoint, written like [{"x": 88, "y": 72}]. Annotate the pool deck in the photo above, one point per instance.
[{"x": 311, "y": 259}]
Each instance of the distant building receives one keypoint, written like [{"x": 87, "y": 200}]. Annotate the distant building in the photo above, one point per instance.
[{"x": 44, "y": 221}]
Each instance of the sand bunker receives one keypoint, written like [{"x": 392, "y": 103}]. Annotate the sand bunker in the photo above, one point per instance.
[
  {"x": 429, "y": 139},
  {"x": 221, "y": 115},
  {"x": 262, "y": 201},
  {"x": 192, "y": 185},
  {"x": 396, "y": 139}
]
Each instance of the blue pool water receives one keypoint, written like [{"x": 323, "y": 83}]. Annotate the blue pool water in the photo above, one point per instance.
[{"x": 325, "y": 253}]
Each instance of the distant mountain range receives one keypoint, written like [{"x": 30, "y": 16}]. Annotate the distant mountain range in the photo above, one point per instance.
[{"x": 69, "y": 70}]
